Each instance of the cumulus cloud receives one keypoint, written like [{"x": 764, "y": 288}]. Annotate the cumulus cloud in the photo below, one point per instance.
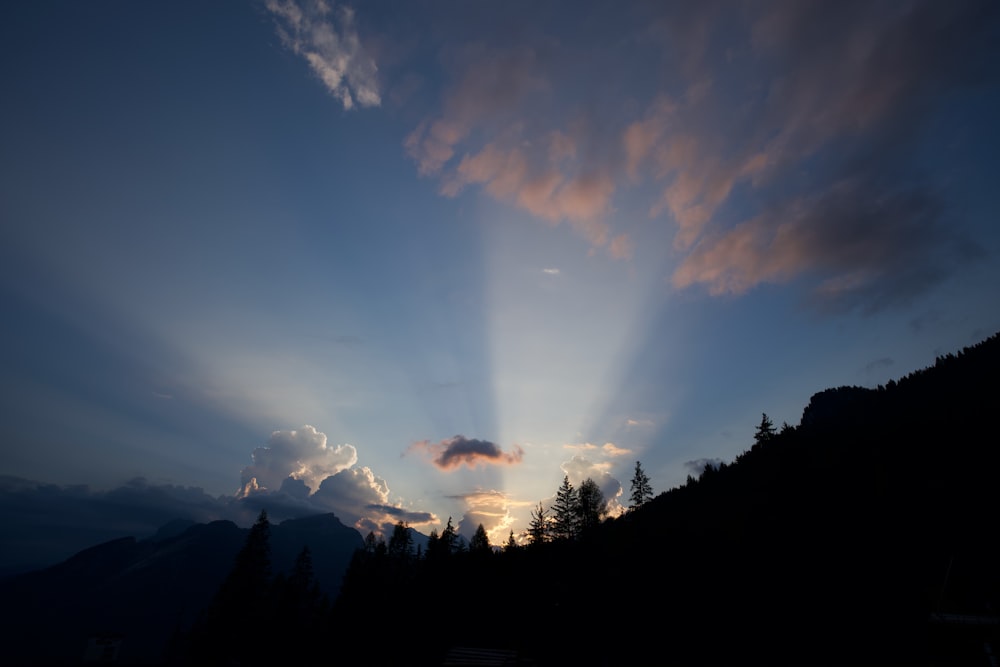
[
  {"x": 301, "y": 454},
  {"x": 327, "y": 38},
  {"x": 453, "y": 452},
  {"x": 298, "y": 473}
]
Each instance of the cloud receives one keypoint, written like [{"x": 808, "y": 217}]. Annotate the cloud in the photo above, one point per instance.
[
  {"x": 482, "y": 138},
  {"x": 848, "y": 90},
  {"x": 299, "y": 474},
  {"x": 491, "y": 85},
  {"x": 621, "y": 247},
  {"x": 301, "y": 454},
  {"x": 608, "y": 448},
  {"x": 453, "y": 452},
  {"x": 327, "y": 39},
  {"x": 866, "y": 245},
  {"x": 516, "y": 175},
  {"x": 551, "y": 271},
  {"x": 774, "y": 142}
]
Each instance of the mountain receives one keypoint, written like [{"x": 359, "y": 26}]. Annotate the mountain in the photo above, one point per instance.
[{"x": 145, "y": 590}]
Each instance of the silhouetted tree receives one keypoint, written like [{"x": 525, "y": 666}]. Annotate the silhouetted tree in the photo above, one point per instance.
[
  {"x": 564, "y": 511},
  {"x": 401, "y": 541},
  {"x": 449, "y": 539},
  {"x": 242, "y": 601},
  {"x": 642, "y": 491},
  {"x": 480, "y": 542},
  {"x": 370, "y": 542},
  {"x": 765, "y": 431},
  {"x": 433, "y": 544},
  {"x": 511, "y": 544},
  {"x": 246, "y": 586},
  {"x": 538, "y": 529},
  {"x": 591, "y": 507}
]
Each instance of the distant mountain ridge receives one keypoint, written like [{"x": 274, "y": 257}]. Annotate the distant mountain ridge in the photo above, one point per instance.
[{"x": 146, "y": 589}]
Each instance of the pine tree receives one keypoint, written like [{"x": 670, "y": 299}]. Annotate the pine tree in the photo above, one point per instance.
[
  {"x": 401, "y": 542},
  {"x": 765, "y": 431},
  {"x": 449, "y": 539},
  {"x": 241, "y": 601},
  {"x": 591, "y": 507},
  {"x": 538, "y": 529},
  {"x": 564, "y": 510},
  {"x": 642, "y": 492},
  {"x": 480, "y": 543},
  {"x": 433, "y": 544},
  {"x": 511, "y": 544}
]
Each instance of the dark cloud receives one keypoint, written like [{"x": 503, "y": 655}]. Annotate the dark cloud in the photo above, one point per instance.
[{"x": 453, "y": 452}]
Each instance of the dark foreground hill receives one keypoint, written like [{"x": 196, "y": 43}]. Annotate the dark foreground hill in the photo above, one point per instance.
[
  {"x": 866, "y": 535},
  {"x": 145, "y": 591}
]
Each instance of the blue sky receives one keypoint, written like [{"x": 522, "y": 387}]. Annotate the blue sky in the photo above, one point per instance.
[{"x": 420, "y": 260}]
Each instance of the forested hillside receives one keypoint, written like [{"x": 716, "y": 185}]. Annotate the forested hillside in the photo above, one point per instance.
[{"x": 855, "y": 537}]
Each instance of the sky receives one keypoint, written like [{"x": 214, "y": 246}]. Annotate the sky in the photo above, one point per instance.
[{"x": 406, "y": 261}]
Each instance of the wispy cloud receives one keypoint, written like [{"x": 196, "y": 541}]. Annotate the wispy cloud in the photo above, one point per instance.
[
  {"x": 779, "y": 142},
  {"x": 608, "y": 449},
  {"x": 849, "y": 90},
  {"x": 454, "y": 452},
  {"x": 327, "y": 38}
]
